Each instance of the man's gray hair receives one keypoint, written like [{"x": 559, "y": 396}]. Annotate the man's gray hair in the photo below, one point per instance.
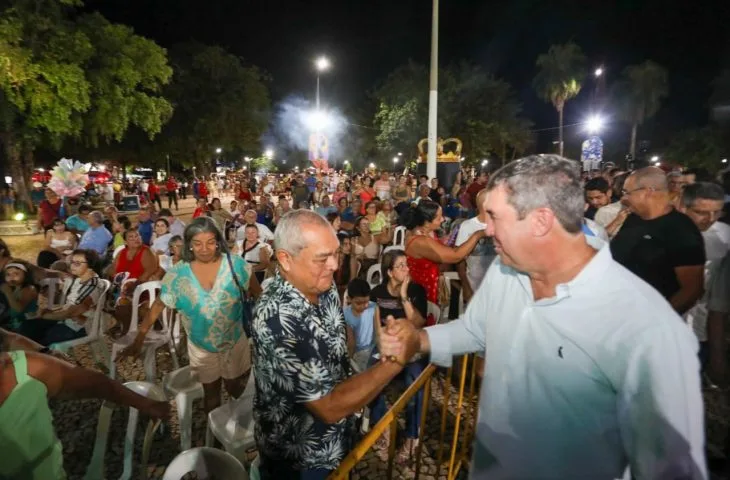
[
  {"x": 289, "y": 233},
  {"x": 544, "y": 181},
  {"x": 97, "y": 216},
  {"x": 702, "y": 190}
]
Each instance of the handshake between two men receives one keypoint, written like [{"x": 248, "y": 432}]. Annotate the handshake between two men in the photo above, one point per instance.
[{"x": 398, "y": 340}]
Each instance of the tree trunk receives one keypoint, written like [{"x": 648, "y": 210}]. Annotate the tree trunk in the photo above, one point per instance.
[
  {"x": 632, "y": 147},
  {"x": 504, "y": 152},
  {"x": 18, "y": 171},
  {"x": 560, "y": 129},
  {"x": 28, "y": 169}
]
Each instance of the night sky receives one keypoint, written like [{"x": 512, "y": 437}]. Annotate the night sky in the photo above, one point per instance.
[{"x": 367, "y": 39}]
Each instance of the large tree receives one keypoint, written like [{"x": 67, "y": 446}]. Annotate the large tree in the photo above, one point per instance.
[
  {"x": 68, "y": 75},
  {"x": 219, "y": 102},
  {"x": 639, "y": 95},
  {"x": 559, "y": 78},
  {"x": 698, "y": 148},
  {"x": 474, "y": 106}
]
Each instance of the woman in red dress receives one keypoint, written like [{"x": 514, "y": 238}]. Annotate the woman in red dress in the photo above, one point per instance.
[{"x": 426, "y": 254}]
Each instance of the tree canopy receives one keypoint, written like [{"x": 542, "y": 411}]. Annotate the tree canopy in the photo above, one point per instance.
[
  {"x": 219, "y": 102},
  {"x": 65, "y": 74},
  {"x": 473, "y": 105}
]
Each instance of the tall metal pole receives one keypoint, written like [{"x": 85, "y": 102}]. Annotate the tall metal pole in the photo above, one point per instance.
[
  {"x": 433, "y": 93},
  {"x": 318, "y": 92}
]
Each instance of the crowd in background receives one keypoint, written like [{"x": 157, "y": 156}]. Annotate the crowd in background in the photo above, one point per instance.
[{"x": 394, "y": 239}]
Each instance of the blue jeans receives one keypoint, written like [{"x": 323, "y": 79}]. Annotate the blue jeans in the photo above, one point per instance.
[{"x": 414, "y": 407}]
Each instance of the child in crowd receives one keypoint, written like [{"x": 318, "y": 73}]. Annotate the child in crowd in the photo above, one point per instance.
[
  {"x": 360, "y": 315},
  {"x": 20, "y": 293},
  {"x": 122, "y": 224}
]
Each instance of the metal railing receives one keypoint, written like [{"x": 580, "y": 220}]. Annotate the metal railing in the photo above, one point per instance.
[{"x": 458, "y": 456}]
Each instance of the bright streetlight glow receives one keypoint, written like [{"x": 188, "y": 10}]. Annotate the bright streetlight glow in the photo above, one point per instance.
[
  {"x": 724, "y": 160},
  {"x": 598, "y": 72},
  {"x": 485, "y": 162},
  {"x": 248, "y": 159},
  {"x": 400, "y": 154},
  {"x": 218, "y": 150},
  {"x": 41, "y": 169},
  {"x": 395, "y": 159},
  {"x": 658, "y": 164},
  {"x": 269, "y": 153},
  {"x": 19, "y": 217},
  {"x": 317, "y": 120},
  {"x": 594, "y": 124},
  {"x": 322, "y": 64},
  {"x": 372, "y": 165},
  {"x": 346, "y": 162},
  {"x": 655, "y": 158}
]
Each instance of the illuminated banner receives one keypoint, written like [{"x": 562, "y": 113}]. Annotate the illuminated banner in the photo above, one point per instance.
[
  {"x": 591, "y": 154},
  {"x": 319, "y": 151}
]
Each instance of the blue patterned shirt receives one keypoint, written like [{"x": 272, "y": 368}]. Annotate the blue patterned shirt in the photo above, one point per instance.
[
  {"x": 212, "y": 319},
  {"x": 300, "y": 355}
]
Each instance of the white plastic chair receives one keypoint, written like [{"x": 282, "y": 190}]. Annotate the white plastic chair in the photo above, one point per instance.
[
  {"x": 454, "y": 276},
  {"x": 370, "y": 277},
  {"x": 232, "y": 424},
  {"x": 153, "y": 340},
  {"x": 95, "y": 470},
  {"x": 435, "y": 310},
  {"x": 393, "y": 247},
  {"x": 207, "y": 463},
  {"x": 94, "y": 330},
  {"x": 117, "y": 250},
  {"x": 55, "y": 294},
  {"x": 184, "y": 387},
  {"x": 399, "y": 236}
]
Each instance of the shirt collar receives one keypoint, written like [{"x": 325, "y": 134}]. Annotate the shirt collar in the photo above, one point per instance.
[
  {"x": 595, "y": 268},
  {"x": 289, "y": 289}
]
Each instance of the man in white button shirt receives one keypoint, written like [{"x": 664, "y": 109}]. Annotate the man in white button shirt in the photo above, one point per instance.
[
  {"x": 265, "y": 235},
  {"x": 589, "y": 371}
]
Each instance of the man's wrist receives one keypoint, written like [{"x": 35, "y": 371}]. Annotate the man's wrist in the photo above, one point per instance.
[{"x": 424, "y": 344}]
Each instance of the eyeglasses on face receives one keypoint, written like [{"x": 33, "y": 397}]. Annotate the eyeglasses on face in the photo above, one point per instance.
[
  {"x": 629, "y": 192},
  {"x": 77, "y": 263}
]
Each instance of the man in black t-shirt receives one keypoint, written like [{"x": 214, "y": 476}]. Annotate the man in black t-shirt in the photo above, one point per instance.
[{"x": 659, "y": 244}]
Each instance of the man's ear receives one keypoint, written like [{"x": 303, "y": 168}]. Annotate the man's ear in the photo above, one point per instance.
[
  {"x": 542, "y": 221},
  {"x": 284, "y": 259}
]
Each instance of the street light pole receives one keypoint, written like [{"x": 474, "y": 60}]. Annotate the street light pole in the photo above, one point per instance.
[
  {"x": 433, "y": 92},
  {"x": 317, "y": 91}
]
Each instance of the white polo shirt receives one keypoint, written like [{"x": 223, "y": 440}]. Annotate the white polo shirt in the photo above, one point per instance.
[{"x": 602, "y": 377}]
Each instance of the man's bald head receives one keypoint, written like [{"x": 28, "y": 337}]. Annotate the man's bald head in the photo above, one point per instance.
[{"x": 650, "y": 177}]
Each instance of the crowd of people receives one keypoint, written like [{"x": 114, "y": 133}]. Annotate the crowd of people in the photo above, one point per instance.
[{"x": 596, "y": 300}]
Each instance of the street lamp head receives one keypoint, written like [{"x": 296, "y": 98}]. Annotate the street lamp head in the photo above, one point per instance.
[
  {"x": 598, "y": 72},
  {"x": 724, "y": 160},
  {"x": 322, "y": 64},
  {"x": 346, "y": 162},
  {"x": 395, "y": 159},
  {"x": 269, "y": 153},
  {"x": 655, "y": 159},
  {"x": 485, "y": 162},
  {"x": 372, "y": 165},
  {"x": 248, "y": 159},
  {"x": 218, "y": 150},
  {"x": 594, "y": 124},
  {"x": 400, "y": 154}
]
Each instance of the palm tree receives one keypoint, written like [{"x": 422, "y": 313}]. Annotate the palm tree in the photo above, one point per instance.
[
  {"x": 559, "y": 78},
  {"x": 643, "y": 88}
]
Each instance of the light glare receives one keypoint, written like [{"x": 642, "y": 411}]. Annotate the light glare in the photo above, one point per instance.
[
  {"x": 322, "y": 64},
  {"x": 594, "y": 124}
]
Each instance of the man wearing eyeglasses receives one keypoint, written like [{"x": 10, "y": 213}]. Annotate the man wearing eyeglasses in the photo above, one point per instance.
[
  {"x": 703, "y": 202},
  {"x": 659, "y": 244}
]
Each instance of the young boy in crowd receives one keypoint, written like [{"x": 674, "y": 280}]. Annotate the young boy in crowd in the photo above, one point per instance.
[{"x": 359, "y": 315}]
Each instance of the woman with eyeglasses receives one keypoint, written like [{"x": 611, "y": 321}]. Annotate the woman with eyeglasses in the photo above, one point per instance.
[
  {"x": 68, "y": 321},
  {"x": 205, "y": 288},
  {"x": 397, "y": 296}
]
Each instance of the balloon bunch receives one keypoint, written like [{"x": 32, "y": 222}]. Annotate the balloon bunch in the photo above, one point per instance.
[{"x": 68, "y": 178}]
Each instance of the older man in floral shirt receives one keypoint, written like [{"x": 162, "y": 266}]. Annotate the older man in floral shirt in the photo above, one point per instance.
[{"x": 305, "y": 394}]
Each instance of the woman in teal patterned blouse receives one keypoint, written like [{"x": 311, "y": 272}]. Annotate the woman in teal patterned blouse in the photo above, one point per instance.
[{"x": 206, "y": 295}]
